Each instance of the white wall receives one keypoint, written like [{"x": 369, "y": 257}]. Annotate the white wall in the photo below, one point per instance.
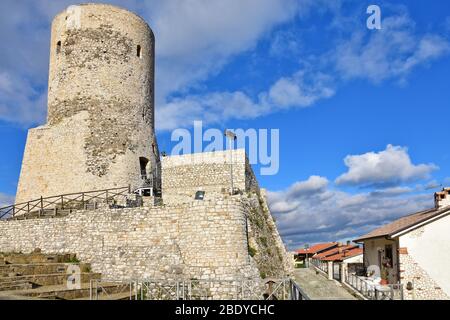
[
  {"x": 355, "y": 259},
  {"x": 429, "y": 246}
]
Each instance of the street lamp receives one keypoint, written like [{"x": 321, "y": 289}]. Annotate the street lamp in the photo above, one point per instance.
[{"x": 231, "y": 138}]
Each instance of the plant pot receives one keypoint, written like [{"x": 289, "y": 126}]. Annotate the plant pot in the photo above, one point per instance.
[{"x": 383, "y": 282}]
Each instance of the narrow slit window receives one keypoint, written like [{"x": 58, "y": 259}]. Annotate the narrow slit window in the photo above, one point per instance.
[
  {"x": 58, "y": 47},
  {"x": 139, "y": 51}
]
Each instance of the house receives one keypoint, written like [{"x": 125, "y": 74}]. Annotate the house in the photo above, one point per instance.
[
  {"x": 414, "y": 251},
  {"x": 339, "y": 260},
  {"x": 302, "y": 256}
]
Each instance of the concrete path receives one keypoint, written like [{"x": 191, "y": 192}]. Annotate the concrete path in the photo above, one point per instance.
[{"x": 318, "y": 287}]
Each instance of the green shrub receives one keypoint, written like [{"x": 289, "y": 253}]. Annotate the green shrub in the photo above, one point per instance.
[{"x": 251, "y": 251}]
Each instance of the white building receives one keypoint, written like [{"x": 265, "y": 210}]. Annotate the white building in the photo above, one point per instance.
[{"x": 415, "y": 251}]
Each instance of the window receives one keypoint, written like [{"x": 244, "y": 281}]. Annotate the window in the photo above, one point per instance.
[
  {"x": 388, "y": 254},
  {"x": 139, "y": 51},
  {"x": 200, "y": 195},
  {"x": 58, "y": 47},
  {"x": 143, "y": 164}
]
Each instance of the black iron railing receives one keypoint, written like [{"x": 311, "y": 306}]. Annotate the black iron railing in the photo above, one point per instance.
[{"x": 70, "y": 201}]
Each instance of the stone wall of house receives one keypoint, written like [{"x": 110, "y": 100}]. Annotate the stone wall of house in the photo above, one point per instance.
[
  {"x": 184, "y": 175},
  {"x": 424, "y": 287},
  {"x": 100, "y": 105},
  {"x": 201, "y": 239}
]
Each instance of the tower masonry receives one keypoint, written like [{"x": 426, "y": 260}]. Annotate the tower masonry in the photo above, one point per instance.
[
  {"x": 210, "y": 221},
  {"x": 100, "y": 125}
]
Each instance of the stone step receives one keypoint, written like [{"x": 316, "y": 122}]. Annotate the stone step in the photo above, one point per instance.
[
  {"x": 47, "y": 279},
  {"x": 39, "y": 268},
  {"x": 15, "y": 286},
  {"x": 62, "y": 292},
  {"x": 115, "y": 296},
  {"x": 20, "y": 258}
]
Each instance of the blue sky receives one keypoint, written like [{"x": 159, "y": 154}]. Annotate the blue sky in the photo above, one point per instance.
[{"x": 362, "y": 113}]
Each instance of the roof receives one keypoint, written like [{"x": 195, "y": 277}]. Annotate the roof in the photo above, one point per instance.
[
  {"x": 403, "y": 223},
  {"x": 335, "y": 251},
  {"x": 344, "y": 255},
  {"x": 319, "y": 247}
]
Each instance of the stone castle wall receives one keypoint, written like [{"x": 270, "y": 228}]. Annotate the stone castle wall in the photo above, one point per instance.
[
  {"x": 201, "y": 239},
  {"x": 184, "y": 175},
  {"x": 100, "y": 105}
]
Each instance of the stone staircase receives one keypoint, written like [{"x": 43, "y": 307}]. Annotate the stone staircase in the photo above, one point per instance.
[{"x": 44, "y": 276}]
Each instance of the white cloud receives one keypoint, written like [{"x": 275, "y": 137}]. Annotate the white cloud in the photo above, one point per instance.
[
  {"x": 304, "y": 216},
  {"x": 19, "y": 101},
  {"x": 314, "y": 184},
  {"x": 196, "y": 38},
  {"x": 391, "y": 52},
  {"x": 301, "y": 90},
  {"x": 6, "y": 200},
  {"x": 385, "y": 168}
]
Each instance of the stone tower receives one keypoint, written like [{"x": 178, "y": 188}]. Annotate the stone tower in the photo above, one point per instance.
[{"x": 100, "y": 125}]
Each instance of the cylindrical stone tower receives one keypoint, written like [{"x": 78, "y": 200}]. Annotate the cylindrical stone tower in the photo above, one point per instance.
[{"x": 100, "y": 124}]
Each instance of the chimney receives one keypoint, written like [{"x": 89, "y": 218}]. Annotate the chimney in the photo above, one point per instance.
[
  {"x": 348, "y": 242},
  {"x": 442, "y": 199}
]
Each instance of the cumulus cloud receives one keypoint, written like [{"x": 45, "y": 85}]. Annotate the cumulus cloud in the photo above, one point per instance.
[
  {"x": 385, "y": 168},
  {"x": 313, "y": 185},
  {"x": 296, "y": 91},
  {"x": 391, "y": 52},
  {"x": 304, "y": 216},
  {"x": 196, "y": 38}
]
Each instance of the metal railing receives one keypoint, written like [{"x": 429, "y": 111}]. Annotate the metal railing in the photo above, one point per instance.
[
  {"x": 321, "y": 265},
  {"x": 373, "y": 291},
  {"x": 110, "y": 290},
  {"x": 248, "y": 289},
  {"x": 70, "y": 201}
]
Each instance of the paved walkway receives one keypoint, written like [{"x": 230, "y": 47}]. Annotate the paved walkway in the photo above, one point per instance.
[{"x": 318, "y": 287}]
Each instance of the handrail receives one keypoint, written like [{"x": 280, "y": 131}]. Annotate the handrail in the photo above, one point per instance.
[
  {"x": 52, "y": 202},
  {"x": 197, "y": 289},
  {"x": 372, "y": 291},
  {"x": 298, "y": 293}
]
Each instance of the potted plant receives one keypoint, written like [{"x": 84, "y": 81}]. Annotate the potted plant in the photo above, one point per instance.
[
  {"x": 384, "y": 276},
  {"x": 385, "y": 271}
]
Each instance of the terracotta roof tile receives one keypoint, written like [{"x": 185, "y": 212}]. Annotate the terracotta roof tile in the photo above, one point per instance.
[
  {"x": 344, "y": 255},
  {"x": 317, "y": 248},
  {"x": 334, "y": 251}
]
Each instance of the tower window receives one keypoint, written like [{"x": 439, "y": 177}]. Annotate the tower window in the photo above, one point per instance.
[
  {"x": 143, "y": 164},
  {"x": 58, "y": 47},
  {"x": 139, "y": 51}
]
